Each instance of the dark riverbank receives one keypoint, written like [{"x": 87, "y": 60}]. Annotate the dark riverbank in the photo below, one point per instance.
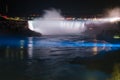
[{"x": 16, "y": 28}]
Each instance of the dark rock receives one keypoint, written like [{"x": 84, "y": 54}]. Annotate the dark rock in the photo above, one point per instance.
[{"x": 16, "y": 28}]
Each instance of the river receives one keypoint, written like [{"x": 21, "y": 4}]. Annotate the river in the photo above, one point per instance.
[{"x": 73, "y": 57}]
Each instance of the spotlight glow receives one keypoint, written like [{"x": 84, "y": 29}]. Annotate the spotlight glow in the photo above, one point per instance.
[{"x": 114, "y": 19}]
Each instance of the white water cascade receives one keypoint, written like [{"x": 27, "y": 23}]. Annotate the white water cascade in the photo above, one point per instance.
[{"x": 52, "y": 23}]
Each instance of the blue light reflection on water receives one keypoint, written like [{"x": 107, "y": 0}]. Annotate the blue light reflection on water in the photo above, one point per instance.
[
  {"x": 62, "y": 43},
  {"x": 13, "y": 42},
  {"x": 76, "y": 44}
]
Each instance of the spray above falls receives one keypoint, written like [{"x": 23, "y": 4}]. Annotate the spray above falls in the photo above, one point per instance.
[
  {"x": 113, "y": 12},
  {"x": 53, "y": 23}
]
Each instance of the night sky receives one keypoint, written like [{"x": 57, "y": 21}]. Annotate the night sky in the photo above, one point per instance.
[{"x": 68, "y": 7}]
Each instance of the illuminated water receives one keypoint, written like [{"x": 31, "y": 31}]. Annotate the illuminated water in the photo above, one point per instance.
[
  {"x": 57, "y": 27},
  {"x": 54, "y": 58}
]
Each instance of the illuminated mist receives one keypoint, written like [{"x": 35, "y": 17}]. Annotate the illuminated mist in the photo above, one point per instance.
[
  {"x": 53, "y": 23},
  {"x": 111, "y": 15},
  {"x": 114, "y": 12}
]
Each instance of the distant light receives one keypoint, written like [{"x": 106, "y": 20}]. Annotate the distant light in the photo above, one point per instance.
[
  {"x": 21, "y": 43},
  {"x": 5, "y": 17},
  {"x": 111, "y": 19},
  {"x": 69, "y": 18},
  {"x": 116, "y": 37}
]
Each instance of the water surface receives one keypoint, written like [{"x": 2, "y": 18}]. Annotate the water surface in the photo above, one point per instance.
[{"x": 54, "y": 58}]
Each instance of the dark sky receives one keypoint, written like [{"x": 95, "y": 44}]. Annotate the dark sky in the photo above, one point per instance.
[{"x": 68, "y": 7}]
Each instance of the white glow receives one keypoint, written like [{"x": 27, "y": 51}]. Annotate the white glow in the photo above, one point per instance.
[
  {"x": 114, "y": 12},
  {"x": 57, "y": 27},
  {"x": 30, "y": 25},
  {"x": 114, "y": 19}
]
